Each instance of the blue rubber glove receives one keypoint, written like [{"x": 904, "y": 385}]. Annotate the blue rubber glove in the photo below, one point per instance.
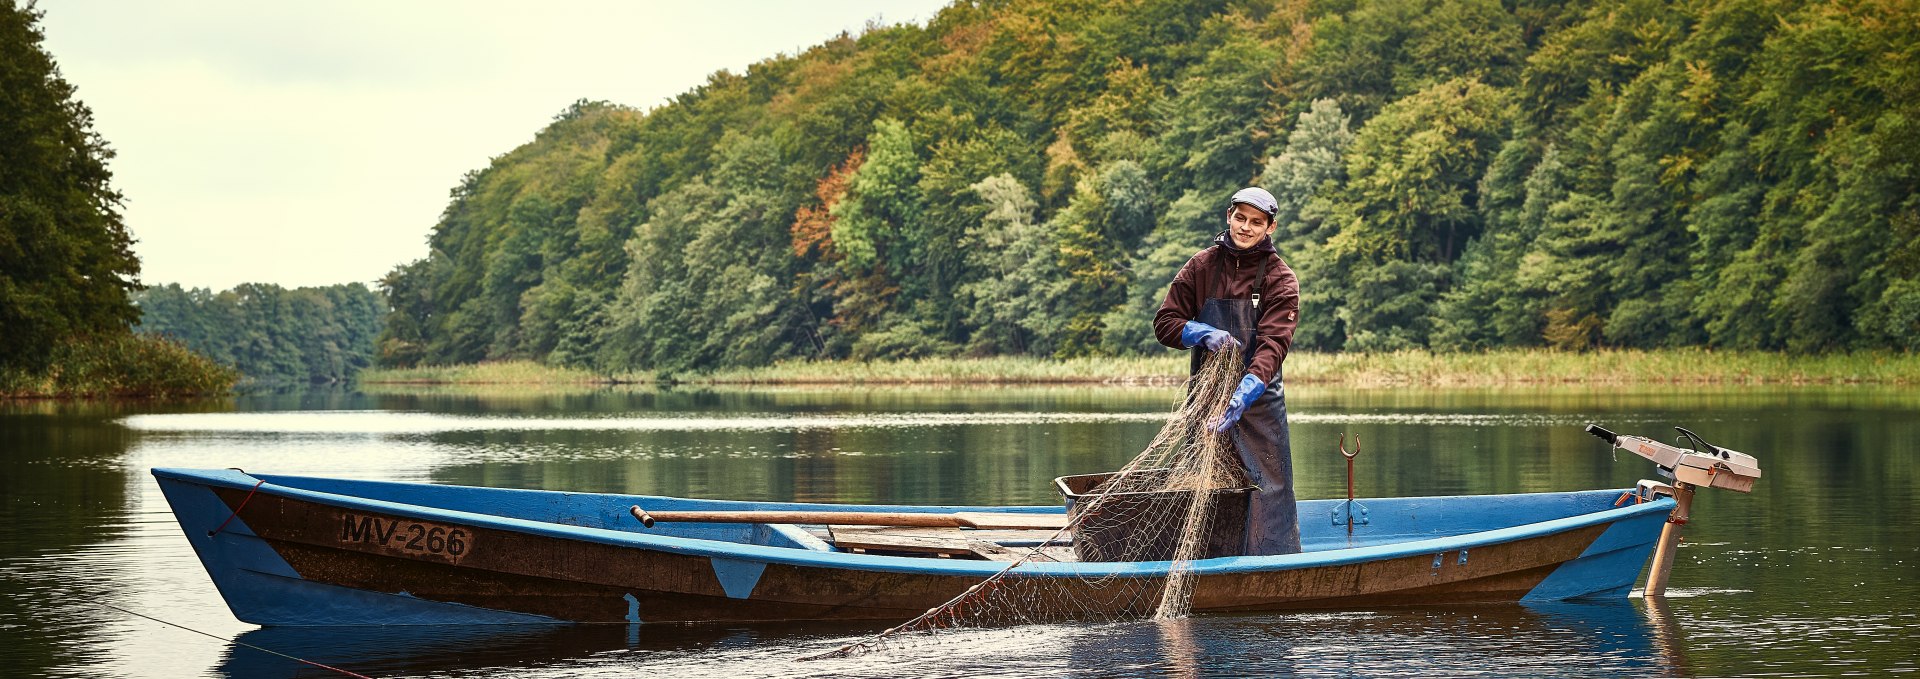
[
  {"x": 1195, "y": 333},
  {"x": 1250, "y": 390}
]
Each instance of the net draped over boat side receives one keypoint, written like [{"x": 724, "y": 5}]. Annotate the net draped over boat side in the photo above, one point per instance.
[{"x": 1159, "y": 507}]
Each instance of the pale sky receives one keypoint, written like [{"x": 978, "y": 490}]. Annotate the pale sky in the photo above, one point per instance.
[{"x": 313, "y": 143}]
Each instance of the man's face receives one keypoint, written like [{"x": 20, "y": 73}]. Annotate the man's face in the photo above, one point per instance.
[{"x": 1247, "y": 226}]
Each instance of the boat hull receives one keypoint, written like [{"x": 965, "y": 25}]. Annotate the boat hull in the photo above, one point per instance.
[{"x": 285, "y": 555}]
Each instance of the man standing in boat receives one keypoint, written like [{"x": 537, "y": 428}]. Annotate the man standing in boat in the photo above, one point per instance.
[{"x": 1240, "y": 292}]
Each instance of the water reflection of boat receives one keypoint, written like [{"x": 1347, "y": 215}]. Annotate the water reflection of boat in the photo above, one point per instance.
[
  {"x": 1611, "y": 637},
  {"x": 383, "y": 650}
]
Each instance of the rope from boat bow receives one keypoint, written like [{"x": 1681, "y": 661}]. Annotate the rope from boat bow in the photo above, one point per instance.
[{"x": 236, "y": 510}]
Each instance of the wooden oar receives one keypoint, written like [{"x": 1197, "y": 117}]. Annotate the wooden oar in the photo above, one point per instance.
[{"x": 977, "y": 520}]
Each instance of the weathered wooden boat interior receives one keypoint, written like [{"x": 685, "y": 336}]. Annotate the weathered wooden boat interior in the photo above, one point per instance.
[{"x": 1378, "y": 521}]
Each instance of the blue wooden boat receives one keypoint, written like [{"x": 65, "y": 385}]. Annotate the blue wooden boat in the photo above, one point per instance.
[{"x": 293, "y": 550}]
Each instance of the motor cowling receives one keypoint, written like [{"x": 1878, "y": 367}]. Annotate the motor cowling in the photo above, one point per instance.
[{"x": 1714, "y": 467}]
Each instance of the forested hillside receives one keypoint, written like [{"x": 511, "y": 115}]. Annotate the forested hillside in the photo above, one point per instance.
[
  {"x": 268, "y": 332},
  {"x": 1025, "y": 177}
]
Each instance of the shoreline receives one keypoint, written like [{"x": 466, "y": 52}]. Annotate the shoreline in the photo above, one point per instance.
[{"x": 1668, "y": 367}]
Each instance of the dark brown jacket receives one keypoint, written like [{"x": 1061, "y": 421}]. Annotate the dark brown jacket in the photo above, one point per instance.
[{"x": 1279, "y": 299}]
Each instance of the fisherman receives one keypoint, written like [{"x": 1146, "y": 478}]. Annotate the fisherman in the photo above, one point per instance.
[{"x": 1240, "y": 292}]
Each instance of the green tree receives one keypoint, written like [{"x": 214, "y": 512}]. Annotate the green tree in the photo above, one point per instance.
[
  {"x": 1498, "y": 300},
  {"x": 1409, "y": 205},
  {"x": 880, "y": 228},
  {"x": 1605, "y": 48},
  {"x": 953, "y": 207},
  {"x": 1128, "y": 327},
  {"x": 652, "y": 319},
  {"x": 870, "y": 224},
  {"x": 66, "y": 260},
  {"x": 1306, "y": 179},
  {"x": 1208, "y": 132},
  {"x": 1414, "y": 172},
  {"x": 738, "y": 264},
  {"x": 1095, "y": 238},
  {"x": 1384, "y": 50},
  {"x": 1016, "y": 305}
]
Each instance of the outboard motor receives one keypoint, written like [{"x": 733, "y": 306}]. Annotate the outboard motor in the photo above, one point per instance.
[{"x": 1703, "y": 465}]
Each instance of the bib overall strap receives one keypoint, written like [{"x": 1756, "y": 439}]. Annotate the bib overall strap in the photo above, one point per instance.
[
  {"x": 1258, "y": 285},
  {"x": 1219, "y": 275}
]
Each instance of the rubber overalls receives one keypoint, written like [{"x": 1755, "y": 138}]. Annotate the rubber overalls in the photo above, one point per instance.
[{"x": 1260, "y": 437}]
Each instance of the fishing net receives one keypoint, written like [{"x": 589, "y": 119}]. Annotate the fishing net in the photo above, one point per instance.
[{"x": 1164, "y": 505}]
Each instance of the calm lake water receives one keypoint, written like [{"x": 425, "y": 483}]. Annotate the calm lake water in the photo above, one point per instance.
[{"x": 1815, "y": 573}]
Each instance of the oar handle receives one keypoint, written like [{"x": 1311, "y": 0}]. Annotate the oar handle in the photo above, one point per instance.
[{"x": 641, "y": 514}]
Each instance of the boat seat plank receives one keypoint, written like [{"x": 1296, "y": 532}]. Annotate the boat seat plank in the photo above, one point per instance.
[
  {"x": 1029, "y": 536},
  {"x": 922, "y": 540},
  {"x": 1013, "y": 521},
  {"x": 949, "y": 542},
  {"x": 994, "y": 552}
]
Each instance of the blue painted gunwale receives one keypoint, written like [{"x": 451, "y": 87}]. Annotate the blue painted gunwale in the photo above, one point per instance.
[{"x": 1511, "y": 530}]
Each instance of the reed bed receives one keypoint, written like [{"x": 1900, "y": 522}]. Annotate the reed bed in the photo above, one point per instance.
[
  {"x": 120, "y": 365},
  {"x": 494, "y": 372},
  {"x": 1604, "y": 367},
  {"x": 1143, "y": 370},
  {"x": 1507, "y": 367},
  {"x": 1424, "y": 368}
]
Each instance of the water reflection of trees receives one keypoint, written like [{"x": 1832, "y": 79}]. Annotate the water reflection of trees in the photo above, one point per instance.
[
  {"x": 62, "y": 488},
  {"x": 945, "y": 464}
]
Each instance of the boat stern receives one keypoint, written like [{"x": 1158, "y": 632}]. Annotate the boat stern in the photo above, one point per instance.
[{"x": 1609, "y": 566}]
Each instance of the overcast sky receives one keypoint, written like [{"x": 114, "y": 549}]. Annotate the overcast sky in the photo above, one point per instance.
[{"x": 314, "y": 143}]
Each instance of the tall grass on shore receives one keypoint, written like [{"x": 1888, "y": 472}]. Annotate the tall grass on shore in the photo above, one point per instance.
[
  {"x": 1413, "y": 368},
  {"x": 121, "y": 366},
  {"x": 1604, "y": 367},
  {"x": 1167, "y": 368},
  {"x": 493, "y": 372}
]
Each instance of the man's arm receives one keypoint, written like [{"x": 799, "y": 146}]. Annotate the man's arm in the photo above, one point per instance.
[
  {"x": 1279, "y": 314},
  {"x": 1177, "y": 308}
]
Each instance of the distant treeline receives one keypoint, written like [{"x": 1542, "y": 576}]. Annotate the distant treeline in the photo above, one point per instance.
[
  {"x": 1024, "y": 177},
  {"x": 268, "y": 332}
]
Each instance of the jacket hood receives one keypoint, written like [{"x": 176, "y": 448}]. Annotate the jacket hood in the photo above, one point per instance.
[{"x": 1225, "y": 241}]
